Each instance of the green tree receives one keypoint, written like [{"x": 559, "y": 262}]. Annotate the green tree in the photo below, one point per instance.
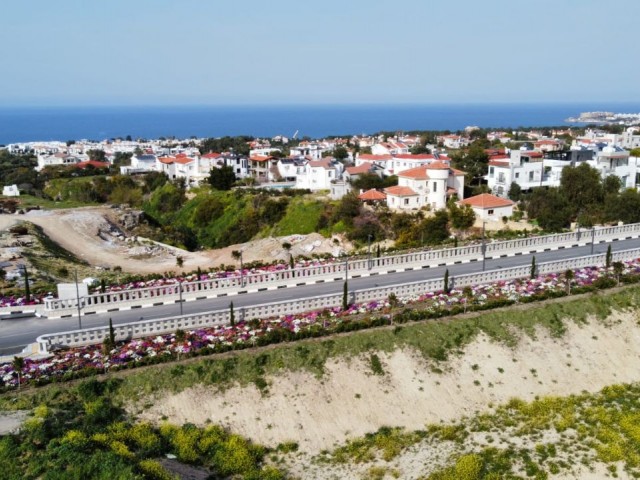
[
  {"x": 27, "y": 287},
  {"x": 568, "y": 277},
  {"x": 608, "y": 257},
  {"x": 345, "y": 295},
  {"x": 446, "y": 281},
  {"x": 534, "y": 268},
  {"x": 18, "y": 365},
  {"x": 97, "y": 155},
  {"x": 474, "y": 161},
  {"x": 550, "y": 208},
  {"x": 582, "y": 187},
  {"x": 515, "y": 192},
  {"x": 618, "y": 268},
  {"x": 462, "y": 217},
  {"x": 232, "y": 317},
  {"x": 340, "y": 153},
  {"x": 222, "y": 178}
]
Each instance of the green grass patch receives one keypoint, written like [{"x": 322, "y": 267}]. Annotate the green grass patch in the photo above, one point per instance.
[
  {"x": 301, "y": 217},
  {"x": 29, "y": 201}
]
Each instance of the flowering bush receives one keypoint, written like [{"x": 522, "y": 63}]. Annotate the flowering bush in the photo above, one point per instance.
[{"x": 82, "y": 361}]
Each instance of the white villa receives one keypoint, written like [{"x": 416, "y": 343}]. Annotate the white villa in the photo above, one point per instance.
[
  {"x": 318, "y": 174},
  {"x": 426, "y": 186}
]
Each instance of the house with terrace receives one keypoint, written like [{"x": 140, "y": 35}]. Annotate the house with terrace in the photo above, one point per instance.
[
  {"x": 429, "y": 186},
  {"x": 319, "y": 174}
]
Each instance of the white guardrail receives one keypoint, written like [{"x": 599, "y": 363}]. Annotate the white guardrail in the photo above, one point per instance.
[
  {"x": 221, "y": 317},
  {"x": 147, "y": 297}
]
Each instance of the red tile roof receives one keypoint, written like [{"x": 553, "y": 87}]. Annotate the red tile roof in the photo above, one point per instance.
[
  {"x": 93, "y": 163},
  {"x": 372, "y": 195},
  {"x": 399, "y": 191},
  {"x": 260, "y": 158},
  {"x": 486, "y": 200},
  {"x": 370, "y": 158},
  {"x": 364, "y": 168},
  {"x": 498, "y": 164},
  {"x": 417, "y": 173},
  {"x": 211, "y": 155}
]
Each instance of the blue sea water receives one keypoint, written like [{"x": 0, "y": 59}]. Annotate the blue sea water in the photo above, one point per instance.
[{"x": 98, "y": 123}]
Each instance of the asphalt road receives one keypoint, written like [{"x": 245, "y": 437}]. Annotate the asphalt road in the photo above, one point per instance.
[{"x": 16, "y": 334}]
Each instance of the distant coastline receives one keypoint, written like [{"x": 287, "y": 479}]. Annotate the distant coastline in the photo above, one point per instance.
[
  {"x": 19, "y": 124},
  {"x": 606, "y": 118}
]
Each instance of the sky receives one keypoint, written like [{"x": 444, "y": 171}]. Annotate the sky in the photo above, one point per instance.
[{"x": 212, "y": 52}]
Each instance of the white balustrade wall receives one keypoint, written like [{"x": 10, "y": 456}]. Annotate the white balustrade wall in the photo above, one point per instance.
[
  {"x": 221, "y": 317},
  {"x": 429, "y": 258}
]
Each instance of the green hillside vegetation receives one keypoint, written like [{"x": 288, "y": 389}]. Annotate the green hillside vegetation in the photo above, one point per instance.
[
  {"x": 302, "y": 217},
  {"x": 82, "y": 434}
]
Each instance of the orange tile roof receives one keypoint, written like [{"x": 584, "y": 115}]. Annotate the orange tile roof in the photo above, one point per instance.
[
  {"x": 497, "y": 163},
  {"x": 260, "y": 158},
  {"x": 211, "y": 155},
  {"x": 166, "y": 160},
  {"x": 364, "y": 168},
  {"x": 399, "y": 191},
  {"x": 417, "y": 173},
  {"x": 372, "y": 195},
  {"x": 437, "y": 166},
  {"x": 486, "y": 200},
  {"x": 184, "y": 160},
  {"x": 93, "y": 163}
]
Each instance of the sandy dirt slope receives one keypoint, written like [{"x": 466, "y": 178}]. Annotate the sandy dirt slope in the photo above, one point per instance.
[
  {"x": 350, "y": 401},
  {"x": 77, "y": 231}
]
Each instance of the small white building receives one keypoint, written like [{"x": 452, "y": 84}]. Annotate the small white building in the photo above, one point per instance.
[
  {"x": 10, "y": 191},
  {"x": 488, "y": 207}
]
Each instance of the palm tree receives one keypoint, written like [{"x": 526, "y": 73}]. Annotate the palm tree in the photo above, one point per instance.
[
  {"x": 467, "y": 293},
  {"x": 18, "y": 365},
  {"x": 569, "y": 276},
  {"x": 618, "y": 268}
]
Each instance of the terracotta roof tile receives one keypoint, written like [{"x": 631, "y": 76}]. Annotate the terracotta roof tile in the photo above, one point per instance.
[
  {"x": 486, "y": 200},
  {"x": 399, "y": 191},
  {"x": 372, "y": 195}
]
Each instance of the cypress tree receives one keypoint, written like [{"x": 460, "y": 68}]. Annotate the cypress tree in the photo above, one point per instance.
[
  {"x": 446, "y": 281},
  {"x": 533, "y": 267},
  {"x": 609, "y": 256},
  {"x": 232, "y": 318},
  {"x": 27, "y": 288},
  {"x": 345, "y": 296}
]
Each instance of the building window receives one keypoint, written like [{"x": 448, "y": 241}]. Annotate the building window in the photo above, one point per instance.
[
  {"x": 406, "y": 201},
  {"x": 490, "y": 212},
  {"x": 530, "y": 176},
  {"x": 435, "y": 187},
  {"x": 517, "y": 174}
]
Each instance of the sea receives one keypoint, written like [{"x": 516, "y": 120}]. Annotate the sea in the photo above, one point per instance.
[{"x": 24, "y": 124}]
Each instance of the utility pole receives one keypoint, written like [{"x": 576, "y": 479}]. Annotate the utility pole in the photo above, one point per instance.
[
  {"x": 593, "y": 238},
  {"x": 78, "y": 301},
  {"x": 180, "y": 291},
  {"x": 484, "y": 247},
  {"x": 369, "y": 252}
]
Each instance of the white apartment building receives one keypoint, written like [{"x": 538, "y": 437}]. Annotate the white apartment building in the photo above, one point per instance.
[{"x": 531, "y": 169}]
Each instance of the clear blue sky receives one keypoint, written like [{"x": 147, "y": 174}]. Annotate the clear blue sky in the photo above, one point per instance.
[{"x": 145, "y": 52}]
